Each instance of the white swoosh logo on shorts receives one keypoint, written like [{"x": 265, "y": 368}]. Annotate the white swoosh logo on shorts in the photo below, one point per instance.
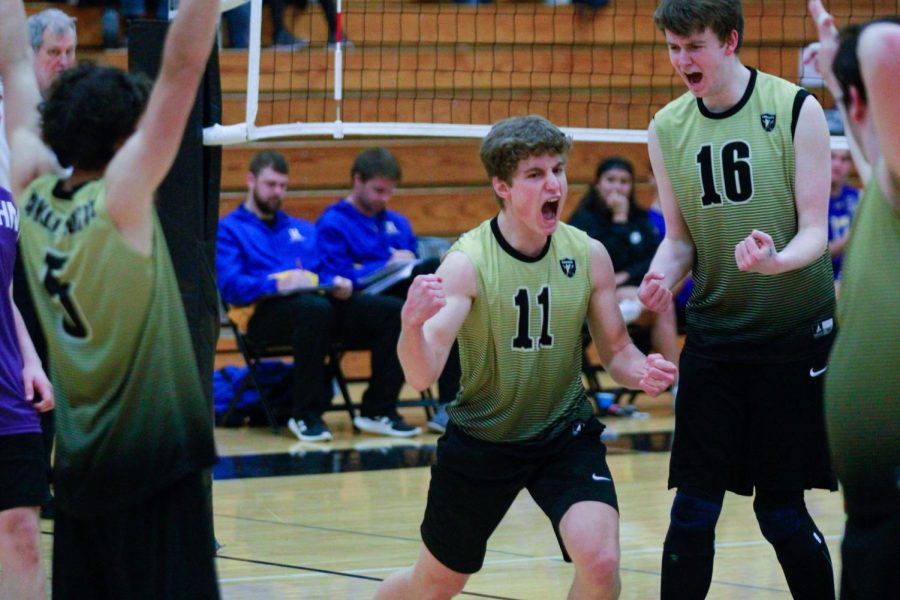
[
  {"x": 814, "y": 373},
  {"x": 596, "y": 477}
]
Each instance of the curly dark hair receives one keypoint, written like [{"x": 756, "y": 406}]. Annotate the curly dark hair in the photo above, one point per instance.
[{"x": 89, "y": 111}]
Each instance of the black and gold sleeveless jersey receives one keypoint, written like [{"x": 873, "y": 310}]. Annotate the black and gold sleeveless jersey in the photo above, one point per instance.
[
  {"x": 131, "y": 416},
  {"x": 520, "y": 345},
  {"x": 733, "y": 172}
]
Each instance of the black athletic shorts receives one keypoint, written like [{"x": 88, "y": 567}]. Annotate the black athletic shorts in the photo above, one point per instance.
[
  {"x": 23, "y": 471},
  {"x": 160, "y": 547},
  {"x": 473, "y": 484},
  {"x": 740, "y": 426}
]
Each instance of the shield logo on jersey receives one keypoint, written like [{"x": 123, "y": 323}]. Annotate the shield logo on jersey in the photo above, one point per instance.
[
  {"x": 768, "y": 121},
  {"x": 568, "y": 266}
]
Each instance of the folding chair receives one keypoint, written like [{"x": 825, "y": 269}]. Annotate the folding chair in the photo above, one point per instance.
[
  {"x": 426, "y": 398},
  {"x": 253, "y": 353}
]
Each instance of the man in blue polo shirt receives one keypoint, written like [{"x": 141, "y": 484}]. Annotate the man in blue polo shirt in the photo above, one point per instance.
[
  {"x": 263, "y": 256},
  {"x": 359, "y": 235}
]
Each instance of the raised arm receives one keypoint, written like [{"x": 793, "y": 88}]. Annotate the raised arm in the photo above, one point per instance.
[
  {"x": 879, "y": 57},
  {"x": 436, "y": 307},
  {"x": 621, "y": 358},
  {"x": 824, "y": 54},
  {"x": 674, "y": 258},
  {"x": 138, "y": 168},
  {"x": 21, "y": 97}
]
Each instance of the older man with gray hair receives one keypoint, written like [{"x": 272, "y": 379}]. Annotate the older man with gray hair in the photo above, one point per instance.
[{"x": 53, "y": 39}]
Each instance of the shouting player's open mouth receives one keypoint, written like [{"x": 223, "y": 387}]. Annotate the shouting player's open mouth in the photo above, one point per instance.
[
  {"x": 550, "y": 211},
  {"x": 693, "y": 80}
]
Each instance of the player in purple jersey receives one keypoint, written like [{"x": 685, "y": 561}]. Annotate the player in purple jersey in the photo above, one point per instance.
[{"x": 23, "y": 480}]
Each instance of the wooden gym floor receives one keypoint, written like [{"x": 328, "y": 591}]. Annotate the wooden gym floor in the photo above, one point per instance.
[{"x": 329, "y": 521}]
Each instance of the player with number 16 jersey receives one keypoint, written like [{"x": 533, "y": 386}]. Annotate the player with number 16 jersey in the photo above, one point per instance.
[{"x": 733, "y": 172}]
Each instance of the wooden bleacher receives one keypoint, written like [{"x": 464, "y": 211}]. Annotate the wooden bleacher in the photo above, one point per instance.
[
  {"x": 618, "y": 56},
  {"x": 624, "y": 21}
]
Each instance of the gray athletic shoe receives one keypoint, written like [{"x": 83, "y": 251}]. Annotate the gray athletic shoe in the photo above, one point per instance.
[
  {"x": 392, "y": 426},
  {"x": 438, "y": 423}
]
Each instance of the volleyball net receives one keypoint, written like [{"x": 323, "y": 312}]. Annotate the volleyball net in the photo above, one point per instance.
[{"x": 451, "y": 70}]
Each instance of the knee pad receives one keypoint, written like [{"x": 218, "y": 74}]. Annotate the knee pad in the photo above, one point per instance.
[
  {"x": 694, "y": 512},
  {"x": 799, "y": 545},
  {"x": 693, "y": 525},
  {"x": 780, "y": 515},
  {"x": 782, "y": 518}
]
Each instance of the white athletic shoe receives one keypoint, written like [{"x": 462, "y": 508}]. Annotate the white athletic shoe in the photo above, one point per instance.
[
  {"x": 392, "y": 426},
  {"x": 312, "y": 431}
]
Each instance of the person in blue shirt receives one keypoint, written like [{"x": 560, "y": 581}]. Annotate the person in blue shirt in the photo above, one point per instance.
[
  {"x": 263, "y": 256},
  {"x": 359, "y": 235},
  {"x": 841, "y": 206}
]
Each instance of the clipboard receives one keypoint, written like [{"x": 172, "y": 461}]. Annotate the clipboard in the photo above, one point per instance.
[{"x": 380, "y": 280}]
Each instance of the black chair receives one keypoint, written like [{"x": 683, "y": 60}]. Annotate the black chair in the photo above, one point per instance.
[
  {"x": 426, "y": 399},
  {"x": 253, "y": 353}
]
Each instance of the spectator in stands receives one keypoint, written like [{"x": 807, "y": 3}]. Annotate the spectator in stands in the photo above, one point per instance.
[
  {"x": 359, "y": 235},
  {"x": 841, "y": 206},
  {"x": 609, "y": 213},
  {"x": 263, "y": 255},
  {"x": 53, "y": 39},
  {"x": 237, "y": 20}
]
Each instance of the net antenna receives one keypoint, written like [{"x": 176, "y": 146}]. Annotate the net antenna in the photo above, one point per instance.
[{"x": 600, "y": 77}]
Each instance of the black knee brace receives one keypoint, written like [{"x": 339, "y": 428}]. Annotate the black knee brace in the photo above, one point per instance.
[
  {"x": 689, "y": 548},
  {"x": 799, "y": 545},
  {"x": 696, "y": 513}
]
